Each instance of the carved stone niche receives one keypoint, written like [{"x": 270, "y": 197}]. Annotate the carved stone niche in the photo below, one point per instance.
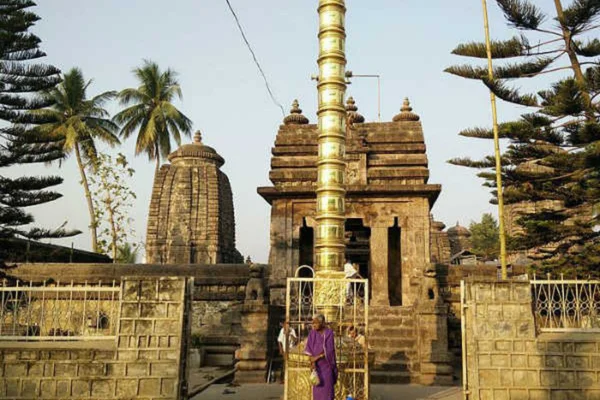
[{"x": 255, "y": 289}]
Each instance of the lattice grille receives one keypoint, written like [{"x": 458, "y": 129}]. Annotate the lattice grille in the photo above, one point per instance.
[
  {"x": 57, "y": 311},
  {"x": 566, "y": 305},
  {"x": 347, "y": 300}
]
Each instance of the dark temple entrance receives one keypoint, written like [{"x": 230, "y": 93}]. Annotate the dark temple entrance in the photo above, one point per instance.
[
  {"x": 394, "y": 265},
  {"x": 306, "y": 246},
  {"x": 357, "y": 244}
]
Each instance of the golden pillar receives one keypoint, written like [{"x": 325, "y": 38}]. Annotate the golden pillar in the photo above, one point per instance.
[{"x": 331, "y": 167}]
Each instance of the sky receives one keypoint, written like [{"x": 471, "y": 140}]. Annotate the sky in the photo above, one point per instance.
[{"x": 407, "y": 42}]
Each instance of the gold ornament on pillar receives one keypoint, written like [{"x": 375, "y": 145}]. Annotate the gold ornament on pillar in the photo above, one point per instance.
[{"x": 330, "y": 217}]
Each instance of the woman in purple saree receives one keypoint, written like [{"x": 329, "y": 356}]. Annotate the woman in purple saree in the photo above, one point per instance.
[{"x": 321, "y": 349}]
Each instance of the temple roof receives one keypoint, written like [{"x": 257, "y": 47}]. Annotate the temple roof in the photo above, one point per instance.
[
  {"x": 386, "y": 159},
  {"x": 459, "y": 230},
  {"x": 196, "y": 149}
]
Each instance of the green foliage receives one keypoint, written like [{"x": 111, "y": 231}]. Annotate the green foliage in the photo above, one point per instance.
[
  {"x": 590, "y": 48},
  {"x": 150, "y": 112},
  {"x": 113, "y": 202},
  {"x": 582, "y": 264},
  {"x": 22, "y": 80},
  {"x": 127, "y": 253},
  {"x": 515, "y": 47},
  {"x": 75, "y": 120},
  {"x": 553, "y": 151},
  {"x": 510, "y": 94},
  {"x": 522, "y": 14},
  {"x": 485, "y": 239},
  {"x": 580, "y": 15}
]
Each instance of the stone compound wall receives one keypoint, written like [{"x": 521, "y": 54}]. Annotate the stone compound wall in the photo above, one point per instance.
[
  {"x": 217, "y": 298},
  {"x": 143, "y": 363},
  {"x": 507, "y": 359},
  {"x": 449, "y": 278}
]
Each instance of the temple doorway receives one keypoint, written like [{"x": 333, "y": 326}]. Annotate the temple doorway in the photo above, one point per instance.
[
  {"x": 357, "y": 244},
  {"x": 395, "y": 265},
  {"x": 306, "y": 247}
]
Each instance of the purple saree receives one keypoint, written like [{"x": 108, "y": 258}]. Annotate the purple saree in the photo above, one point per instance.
[{"x": 326, "y": 367}]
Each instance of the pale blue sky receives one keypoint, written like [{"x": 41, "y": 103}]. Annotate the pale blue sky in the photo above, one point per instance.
[{"x": 408, "y": 42}]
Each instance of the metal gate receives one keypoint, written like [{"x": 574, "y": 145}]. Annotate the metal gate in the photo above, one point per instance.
[
  {"x": 463, "y": 330},
  {"x": 349, "y": 308}
]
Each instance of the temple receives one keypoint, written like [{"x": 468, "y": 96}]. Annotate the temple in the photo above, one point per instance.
[
  {"x": 191, "y": 217},
  {"x": 387, "y": 232}
]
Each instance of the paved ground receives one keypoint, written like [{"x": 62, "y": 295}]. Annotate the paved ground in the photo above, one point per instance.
[{"x": 379, "y": 392}]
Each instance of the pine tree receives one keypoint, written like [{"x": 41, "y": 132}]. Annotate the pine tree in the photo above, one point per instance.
[
  {"x": 553, "y": 157},
  {"x": 21, "y": 82},
  {"x": 485, "y": 240}
]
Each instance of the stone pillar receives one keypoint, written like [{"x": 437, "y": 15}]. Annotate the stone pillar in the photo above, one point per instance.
[
  {"x": 432, "y": 333},
  {"x": 252, "y": 354},
  {"x": 378, "y": 268}
]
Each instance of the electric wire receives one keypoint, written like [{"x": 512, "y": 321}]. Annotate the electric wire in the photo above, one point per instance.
[{"x": 262, "y": 72}]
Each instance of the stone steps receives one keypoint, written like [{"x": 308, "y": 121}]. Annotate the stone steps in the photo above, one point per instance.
[
  {"x": 384, "y": 356},
  {"x": 402, "y": 331},
  {"x": 393, "y": 337},
  {"x": 392, "y": 312},
  {"x": 392, "y": 343},
  {"x": 390, "y": 377},
  {"x": 391, "y": 322},
  {"x": 394, "y": 365}
]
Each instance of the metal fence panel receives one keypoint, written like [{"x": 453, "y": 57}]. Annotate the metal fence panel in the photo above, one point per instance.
[
  {"x": 58, "y": 312},
  {"x": 566, "y": 305}
]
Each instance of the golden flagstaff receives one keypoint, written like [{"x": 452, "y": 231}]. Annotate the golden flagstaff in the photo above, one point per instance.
[{"x": 330, "y": 216}]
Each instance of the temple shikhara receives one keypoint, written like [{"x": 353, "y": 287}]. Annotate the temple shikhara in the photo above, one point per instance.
[{"x": 191, "y": 217}]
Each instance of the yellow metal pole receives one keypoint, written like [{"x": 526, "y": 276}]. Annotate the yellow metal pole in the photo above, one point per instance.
[
  {"x": 331, "y": 166},
  {"x": 496, "y": 146}
]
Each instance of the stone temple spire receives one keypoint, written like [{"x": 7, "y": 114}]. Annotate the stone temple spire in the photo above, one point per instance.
[
  {"x": 295, "y": 117},
  {"x": 352, "y": 111},
  {"x": 406, "y": 113}
]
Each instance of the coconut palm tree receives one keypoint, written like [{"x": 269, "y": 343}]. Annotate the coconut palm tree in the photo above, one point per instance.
[
  {"x": 151, "y": 114},
  {"x": 78, "y": 122},
  {"x": 127, "y": 253}
]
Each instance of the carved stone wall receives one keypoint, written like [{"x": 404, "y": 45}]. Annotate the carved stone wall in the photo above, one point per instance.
[{"x": 440, "y": 243}]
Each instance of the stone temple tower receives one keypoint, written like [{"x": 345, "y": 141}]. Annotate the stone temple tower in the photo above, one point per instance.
[{"x": 191, "y": 218}]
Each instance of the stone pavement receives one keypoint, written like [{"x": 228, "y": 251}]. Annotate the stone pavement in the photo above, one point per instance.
[{"x": 379, "y": 392}]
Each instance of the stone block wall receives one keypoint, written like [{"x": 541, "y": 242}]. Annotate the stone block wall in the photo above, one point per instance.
[
  {"x": 143, "y": 362},
  {"x": 217, "y": 297},
  {"x": 449, "y": 278},
  {"x": 508, "y": 359}
]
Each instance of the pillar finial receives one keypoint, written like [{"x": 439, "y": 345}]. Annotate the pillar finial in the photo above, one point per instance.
[
  {"x": 353, "y": 115},
  {"x": 295, "y": 117},
  {"x": 406, "y": 113}
]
